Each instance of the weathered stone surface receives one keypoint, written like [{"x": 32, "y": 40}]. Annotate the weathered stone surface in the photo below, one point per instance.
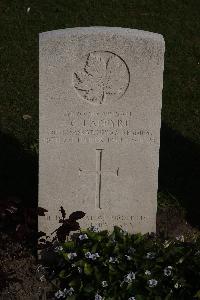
[{"x": 100, "y": 115}]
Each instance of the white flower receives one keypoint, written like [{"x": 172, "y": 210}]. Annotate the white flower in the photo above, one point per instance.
[
  {"x": 166, "y": 243},
  {"x": 83, "y": 237},
  {"x": 168, "y": 271},
  {"x": 132, "y": 298},
  {"x": 88, "y": 254},
  {"x": 147, "y": 272},
  {"x": 129, "y": 277},
  {"x": 131, "y": 250},
  {"x": 79, "y": 270},
  {"x": 68, "y": 292},
  {"x": 58, "y": 248},
  {"x": 104, "y": 284},
  {"x": 177, "y": 285},
  {"x": 170, "y": 267},
  {"x": 65, "y": 291},
  {"x": 150, "y": 255},
  {"x": 128, "y": 257},
  {"x": 98, "y": 297},
  {"x": 181, "y": 260},
  {"x": 73, "y": 265},
  {"x": 28, "y": 9},
  {"x": 71, "y": 255},
  {"x": 94, "y": 228},
  {"x": 152, "y": 282},
  {"x": 124, "y": 232},
  {"x": 113, "y": 260},
  {"x": 59, "y": 294},
  {"x": 180, "y": 238},
  {"x": 92, "y": 256}
]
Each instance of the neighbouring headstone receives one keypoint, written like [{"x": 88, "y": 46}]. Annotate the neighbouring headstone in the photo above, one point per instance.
[{"x": 100, "y": 116}]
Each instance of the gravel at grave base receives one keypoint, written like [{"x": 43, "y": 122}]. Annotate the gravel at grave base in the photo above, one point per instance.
[
  {"x": 172, "y": 222},
  {"x": 19, "y": 260}
]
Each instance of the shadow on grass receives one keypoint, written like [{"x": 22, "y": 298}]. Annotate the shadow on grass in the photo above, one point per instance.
[
  {"x": 18, "y": 171},
  {"x": 179, "y": 171},
  {"x": 18, "y": 185}
]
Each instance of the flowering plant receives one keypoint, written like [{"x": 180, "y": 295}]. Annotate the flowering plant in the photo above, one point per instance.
[{"x": 119, "y": 266}]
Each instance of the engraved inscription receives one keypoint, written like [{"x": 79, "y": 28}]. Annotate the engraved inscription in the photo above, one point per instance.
[
  {"x": 90, "y": 127},
  {"x": 99, "y": 172},
  {"x": 103, "y": 79}
]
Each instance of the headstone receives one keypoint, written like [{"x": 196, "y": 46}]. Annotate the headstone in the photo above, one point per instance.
[{"x": 100, "y": 117}]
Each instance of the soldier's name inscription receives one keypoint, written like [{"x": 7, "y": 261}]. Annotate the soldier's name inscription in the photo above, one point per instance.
[{"x": 98, "y": 127}]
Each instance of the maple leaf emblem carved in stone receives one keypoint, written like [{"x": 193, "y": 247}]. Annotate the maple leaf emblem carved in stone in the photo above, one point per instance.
[{"x": 104, "y": 78}]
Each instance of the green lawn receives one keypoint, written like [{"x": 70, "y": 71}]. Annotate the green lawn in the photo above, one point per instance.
[{"x": 177, "y": 20}]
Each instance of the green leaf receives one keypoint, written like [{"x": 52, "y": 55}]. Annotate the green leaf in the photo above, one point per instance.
[
  {"x": 197, "y": 295},
  {"x": 70, "y": 245},
  {"x": 80, "y": 263},
  {"x": 116, "y": 249},
  {"x": 88, "y": 269},
  {"x": 129, "y": 286},
  {"x": 98, "y": 274},
  {"x": 168, "y": 297},
  {"x": 75, "y": 283},
  {"x": 88, "y": 289},
  {"x": 73, "y": 297},
  {"x": 62, "y": 274},
  {"x": 138, "y": 238},
  {"x": 94, "y": 248},
  {"x": 122, "y": 267},
  {"x": 93, "y": 236},
  {"x": 160, "y": 260},
  {"x": 140, "y": 297},
  {"x": 65, "y": 255},
  {"x": 112, "y": 268}
]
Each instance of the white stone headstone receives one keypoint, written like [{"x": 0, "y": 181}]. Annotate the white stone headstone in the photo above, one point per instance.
[{"x": 100, "y": 116}]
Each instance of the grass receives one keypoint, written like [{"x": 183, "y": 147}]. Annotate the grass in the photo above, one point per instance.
[{"x": 177, "y": 20}]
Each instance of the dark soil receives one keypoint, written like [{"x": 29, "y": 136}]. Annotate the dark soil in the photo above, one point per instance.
[{"x": 20, "y": 265}]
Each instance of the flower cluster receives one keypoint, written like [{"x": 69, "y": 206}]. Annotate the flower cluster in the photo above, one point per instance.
[
  {"x": 147, "y": 272},
  {"x": 63, "y": 294},
  {"x": 152, "y": 282},
  {"x": 93, "y": 267},
  {"x": 104, "y": 283},
  {"x": 129, "y": 277},
  {"x": 98, "y": 297},
  {"x": 150, "y": 255},
  {"x": 94, "y": 229},
  {"x": 113, "y": 260},
  {"x": 128, "y": 257},
  {"x": 92, "y": 256},
  {"x": 71, "y": 255},
  {"x": 83, "y": 237},
  {"x": 168, "y": 271}
]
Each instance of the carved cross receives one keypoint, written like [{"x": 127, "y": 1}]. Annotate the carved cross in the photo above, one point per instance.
[{"x": 99, "y": 173}]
